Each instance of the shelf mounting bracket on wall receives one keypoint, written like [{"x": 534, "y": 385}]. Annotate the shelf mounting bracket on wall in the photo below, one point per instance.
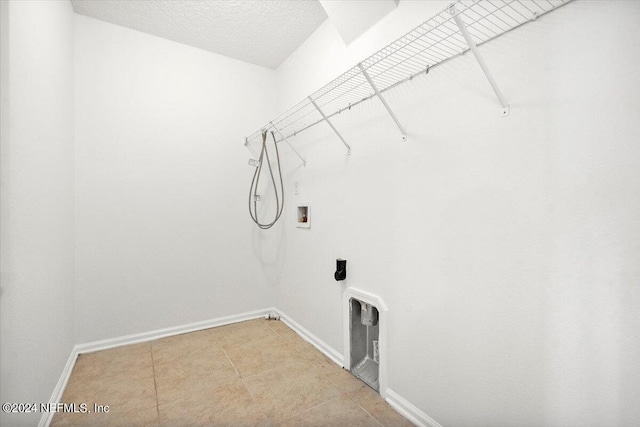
[
  {"x": 474, "y": 49},
  {"x": 252, "y": 162},
  {"x": 326, "y": 119},
  {"x": 384, "y": 102},
  {"x": 304, "y": 162}
]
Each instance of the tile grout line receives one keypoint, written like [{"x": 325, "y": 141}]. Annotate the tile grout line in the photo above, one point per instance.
[
  {"x": 297, "y": 359},
  {"x": 360, "y": 406},
  {"x": 243, "y": 383},
  {"x": 295, "y": 334},
  {"x": 155, "y": 386},
  {"x": 328, "y": 376},
  {"x": 242, "y": 379},
  {"x": 297, "y": 353},
  {"x": 250, "y": 341},
  {"x": 366, "y": 412},
  {"x": 277, "y": 333},
  {"x": 255, "y": 402},
  {"x": 337, "y": 386},
  {"x": 286, "y": 365},
  {"x": 229, "y": 359},
  {"x": 313, "y": 407}
]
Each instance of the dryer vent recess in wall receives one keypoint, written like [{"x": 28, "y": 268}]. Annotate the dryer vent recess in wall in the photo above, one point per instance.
[{"x": 363, "y": 339}]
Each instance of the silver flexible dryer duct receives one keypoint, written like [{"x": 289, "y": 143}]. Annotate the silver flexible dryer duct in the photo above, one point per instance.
[{"x": 253, "y": 190}]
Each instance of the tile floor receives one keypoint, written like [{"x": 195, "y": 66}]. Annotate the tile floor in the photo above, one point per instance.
[{"x": 254, "y": 373}]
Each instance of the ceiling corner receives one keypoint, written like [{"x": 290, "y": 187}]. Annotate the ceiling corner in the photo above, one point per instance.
[{"x": 352, "y": 18}]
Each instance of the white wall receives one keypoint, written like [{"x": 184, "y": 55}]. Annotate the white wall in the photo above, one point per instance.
[
  {"x": 507, "y": 249},
  {"x": 37, "y": 294},
  {"x": 163, "y": 236}
]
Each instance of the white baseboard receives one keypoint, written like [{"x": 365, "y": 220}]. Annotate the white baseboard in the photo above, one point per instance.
[
  {"x": 325, "y": 348},
  {"x": 167, "y": 332},
  {"x": 90, "y": 347},
  {"x": 56, "y": 396},
  {"x": 409, "y": 411},
  {"x": 400, "y": 404}
]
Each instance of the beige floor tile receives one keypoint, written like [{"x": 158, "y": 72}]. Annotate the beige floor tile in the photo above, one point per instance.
[
  {"x": 340, "y": 411},
  {"x": 206, "y": 361},
  {"x": 131, "y": 360},
  {"x": 287, "y": 391},
  {"x": 139, "y": 418},
  {"x": 123, "y": 394},
  {"x": 193, "y": 385},
  {"x": 246, "y": 374},
  {"x": 227, "y": 405},
  {"x": 258, "y": 356},
  {"x": 308, "y": 353},
  {"x": 371, "y": 402},
  {"x": 167, "y": 349},
  {"x": 244, "y": 332},
  {"x": 344, "y": 380},
  {"x": 282, "y": 329}
]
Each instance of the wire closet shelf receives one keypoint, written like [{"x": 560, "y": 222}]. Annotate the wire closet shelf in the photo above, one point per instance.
[{"x": 462, "y": 26}]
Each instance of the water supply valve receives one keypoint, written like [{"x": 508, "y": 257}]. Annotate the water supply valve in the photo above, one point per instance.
[{"x": 368, "y": 314}]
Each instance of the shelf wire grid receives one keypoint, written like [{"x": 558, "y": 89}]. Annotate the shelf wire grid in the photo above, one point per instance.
[{"x": 432, "y": 43}]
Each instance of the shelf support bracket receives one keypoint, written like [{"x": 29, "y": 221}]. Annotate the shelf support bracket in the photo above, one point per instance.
[
  {"x": 326, "y": 119},
  {"x": 246, "y": 144},
  {"x": 384, "y": 101},
  {"x": 474, "y": 49},
  {"x": 304, "y": 162}
]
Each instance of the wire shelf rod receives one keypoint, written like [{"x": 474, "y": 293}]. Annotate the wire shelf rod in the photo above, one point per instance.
[
  {"x": 434, "y": 49},
  {"x": 392, "y": 76},
  {"x": 460, "y": 44},
  {"x": 536, "y": 3},
  {"x": 388, "y": 79},
  {"x": 326, "y": 119},
  {"x": 418, "y": 52},
  {"x": 495, "y": 15},
  {"x": 415, "y": 40},
  {"x": 384, "y": 102},
  {"x": 381, "y": 57},
  {"x": 524, "y": 5},
  {"x": 306, "y": 127},
  {"x": 388, "y": 69},
  {"x": 510, "y": 5},
  {"x": 476, "y": 53},
  {"x": 443, "y": 41},
  {"x": 433, "y": 43},
  {"x": 304, "y": 162},
  {"x": 434, "y": 46},
  {"x": 486, "y": 16},
  {"x": 300, "y": 106},
  {"x": 356, "y": 90},
  {"x": 400, "y": 61},
  {"x": 476, "y": 22},
  {"x": 344, "y": 78}
]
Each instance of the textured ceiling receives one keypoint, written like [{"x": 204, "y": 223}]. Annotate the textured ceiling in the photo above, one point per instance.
[{"x": 260, "y": 32}]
